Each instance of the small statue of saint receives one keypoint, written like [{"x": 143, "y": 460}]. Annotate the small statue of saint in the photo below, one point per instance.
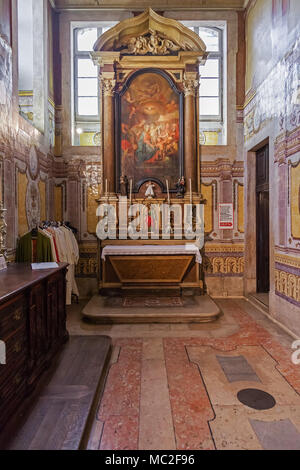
[
  {"x": 150, "y": 190},
  {"x": 124, "y": 185},
  {"x": 180, "y": 186}
]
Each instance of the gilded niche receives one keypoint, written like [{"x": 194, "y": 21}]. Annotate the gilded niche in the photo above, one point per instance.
[{"x": 152, "y": 43}]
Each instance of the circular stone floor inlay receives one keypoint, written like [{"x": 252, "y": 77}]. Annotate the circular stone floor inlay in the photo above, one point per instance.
[{"x": 256, "y": 399}]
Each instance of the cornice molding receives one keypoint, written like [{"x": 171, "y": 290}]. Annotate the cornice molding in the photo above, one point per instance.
[{"x": 155, "y": 4}]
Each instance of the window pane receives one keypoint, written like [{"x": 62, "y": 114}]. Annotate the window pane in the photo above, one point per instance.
[
  {"x": 86, "y": 39},
  {"x": 87, "y": 87},
  {"x": 211, "y": 39},
  {"x": 106, "y": 28},
  {"x": 210, "y": 69},
  {"x": 86, "y": 68},
  {"x": 209, "y": 87},
  {"x": 209, "y": 107},
  {"x": 88, "y": 106}
]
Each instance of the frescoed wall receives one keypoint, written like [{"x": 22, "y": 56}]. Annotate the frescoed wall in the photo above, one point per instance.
[
  {"x": 272, "y": 114},
  {"x": 266, "y": 40},
  {"x": 25, "y": 153},
  {"x": 5, "y": 20}
]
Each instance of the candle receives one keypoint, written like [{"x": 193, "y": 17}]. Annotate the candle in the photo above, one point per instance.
[
  {"x": 168, "y": 192},
  {"x": 130, "y": 192},
  {"x": 106, "y": 187},
  {"x": 191, "y": 193}
]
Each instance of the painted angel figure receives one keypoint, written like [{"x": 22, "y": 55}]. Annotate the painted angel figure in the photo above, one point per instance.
[{"x": 150, "y": 190}]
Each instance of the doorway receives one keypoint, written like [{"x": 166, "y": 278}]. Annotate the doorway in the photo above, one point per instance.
[{"x": 262, "y": 220}]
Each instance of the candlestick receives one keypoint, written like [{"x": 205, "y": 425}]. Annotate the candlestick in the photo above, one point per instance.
[
  {"x": 191, "y": 193},
  {"x": 168, "y": 192}
]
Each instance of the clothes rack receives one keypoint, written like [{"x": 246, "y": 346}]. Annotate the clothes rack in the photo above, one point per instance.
[{"x": 52, "y": 241}]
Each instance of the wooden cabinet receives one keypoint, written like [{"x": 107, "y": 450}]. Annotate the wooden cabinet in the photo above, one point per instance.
[{"x": 33, "y": 327}]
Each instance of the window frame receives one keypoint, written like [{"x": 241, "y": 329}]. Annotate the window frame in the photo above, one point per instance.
[
  {"x": 83, "y": 55},
  {"x": 213, "y": 55}
]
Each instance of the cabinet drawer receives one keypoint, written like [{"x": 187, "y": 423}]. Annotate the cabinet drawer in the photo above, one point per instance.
[
  {"x": 13, "y": 386},
  {"x": 12, "y": 316},
  {"x": 16, "y": 353},
  {"x": 11, "y": 396}
]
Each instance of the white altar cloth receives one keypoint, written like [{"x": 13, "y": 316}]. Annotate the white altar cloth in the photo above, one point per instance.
[{"x": 132, "y": 250}]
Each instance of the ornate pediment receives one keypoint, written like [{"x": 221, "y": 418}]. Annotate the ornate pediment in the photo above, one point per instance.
[{"x": 150, "y": 34}]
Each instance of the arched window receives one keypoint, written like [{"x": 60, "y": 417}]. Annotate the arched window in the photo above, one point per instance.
[
  {"x": 25, "y": 58},
  {"x": 211, "y": 96},
  {"x": 86, "y": 88},
  {"x": 212, "y": 103},
  {"x": 32, "y": 62}
]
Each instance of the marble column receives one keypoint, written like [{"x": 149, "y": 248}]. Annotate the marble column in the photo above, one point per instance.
[
  {"x": 190, "y": 86},
  {"x": 109, "y": 171}
]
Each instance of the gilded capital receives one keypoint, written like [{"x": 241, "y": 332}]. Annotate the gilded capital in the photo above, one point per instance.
[
  {"x": 190, "y": 86},
  {"x": 108, "y": 86}
]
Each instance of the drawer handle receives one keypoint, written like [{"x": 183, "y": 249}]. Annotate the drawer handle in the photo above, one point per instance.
[
  {"x": 17, "y": 347},
  {"x": 18, "y": 314},
  {"x": 18, "y": 379}
]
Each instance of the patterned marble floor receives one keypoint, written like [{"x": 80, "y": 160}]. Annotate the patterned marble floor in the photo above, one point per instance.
[{"x": 175, "y": 386}]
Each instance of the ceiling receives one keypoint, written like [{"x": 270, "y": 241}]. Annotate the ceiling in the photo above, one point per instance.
[{"x": 156, "y": 4}]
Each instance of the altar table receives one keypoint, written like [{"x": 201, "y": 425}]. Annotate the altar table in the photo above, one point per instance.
[
  {"x": 134, "y": 250},
  {"x": 146, "y": 266}
]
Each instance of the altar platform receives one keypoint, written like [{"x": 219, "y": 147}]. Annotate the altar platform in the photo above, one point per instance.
[{"x": 151, "y": 309}]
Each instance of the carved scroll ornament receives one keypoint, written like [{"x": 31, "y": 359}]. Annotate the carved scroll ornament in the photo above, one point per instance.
[{"x": 153, "y": 44}]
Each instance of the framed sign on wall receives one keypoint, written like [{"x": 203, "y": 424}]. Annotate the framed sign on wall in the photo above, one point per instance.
[{"x": 226, "y": 216}]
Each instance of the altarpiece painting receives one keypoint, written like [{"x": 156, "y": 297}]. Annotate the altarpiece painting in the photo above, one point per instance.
[{"x": 149, "y": 129}]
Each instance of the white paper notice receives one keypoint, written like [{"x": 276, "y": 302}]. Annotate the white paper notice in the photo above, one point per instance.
[
  {"x": 226, "y": 216},
  {"x": 37, "y": 266}
]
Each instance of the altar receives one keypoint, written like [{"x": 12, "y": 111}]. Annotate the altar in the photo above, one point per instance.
[
  {"x": 149, "y": 78},
  {"x": 164, "y": 267}
]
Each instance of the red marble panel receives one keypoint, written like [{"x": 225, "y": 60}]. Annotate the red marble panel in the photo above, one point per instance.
[
  {"x": 120, "y": 405},
  {"x": 189, "y": 401}
]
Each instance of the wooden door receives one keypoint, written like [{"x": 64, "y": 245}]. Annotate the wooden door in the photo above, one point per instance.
[{"x": 262, "y": 220}]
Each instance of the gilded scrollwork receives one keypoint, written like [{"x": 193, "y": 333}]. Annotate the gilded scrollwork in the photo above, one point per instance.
[
  {"x": 87, "y": 267},
  {"x": 287, "y": 284},
  {"x": 88, "y": 261},
  {"x": 226, "y": 265},
  {"x": 150, "y": 44}
]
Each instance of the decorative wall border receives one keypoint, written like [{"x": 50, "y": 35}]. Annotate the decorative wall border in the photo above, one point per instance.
[
  {"x": 287, "y": 284},
  {"x": 286, "y": 145},
  {"x": 88, "y": 260},
  {"x": 224, "y": 248},
  {"x": 224, "y": 260},
  {"x": 288, "y": 260}
]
